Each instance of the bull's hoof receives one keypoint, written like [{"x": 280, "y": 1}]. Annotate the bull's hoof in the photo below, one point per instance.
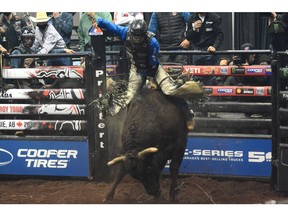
[
  {"x": 109, "y": 197},
  {"x": 106, "y": 200},
  {"x": 174, "y": 195}
]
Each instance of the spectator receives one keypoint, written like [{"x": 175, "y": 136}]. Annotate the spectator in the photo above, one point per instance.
[
  {"x": 10, "y": 30},
  {"x": 27, "y": 40},
  {"x": 4, "y": 51},
  {"x": 248, "y": 59},
  {"x": 83, "y": 29},
  {"x": 224, "y": 61},
  {"x": 84, "y": 26},
  {"x": 142, "y": 49},
  {"x": 280, "y": 41},
  {"x": 205, "y": 34},
  {"x": 125, "y": 18},
  {"x": 170, "y": 29},
  {"x": 48, "y": 40},
  {"x": 63, "y": 23}
]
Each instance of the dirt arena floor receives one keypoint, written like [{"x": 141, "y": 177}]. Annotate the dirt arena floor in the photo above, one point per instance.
[{"x": 193, "y": 190}]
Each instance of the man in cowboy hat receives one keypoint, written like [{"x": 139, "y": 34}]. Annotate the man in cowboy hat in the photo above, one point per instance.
[{"x": 48, "y": 40}]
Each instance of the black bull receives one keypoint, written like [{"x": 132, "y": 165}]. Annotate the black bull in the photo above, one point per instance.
[{"x": 154, "y": 132}]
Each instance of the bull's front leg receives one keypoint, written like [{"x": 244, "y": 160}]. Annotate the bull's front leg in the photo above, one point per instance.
[
  {"x": 174, "y": 189},
  {"x": 118, "y": 178},
  {"x": 174, "y": 171}
]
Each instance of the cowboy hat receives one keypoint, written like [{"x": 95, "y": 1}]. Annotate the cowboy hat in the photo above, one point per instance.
[{"x": 40, "y": 17}]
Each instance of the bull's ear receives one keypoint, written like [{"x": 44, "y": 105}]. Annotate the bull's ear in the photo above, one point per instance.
[
  {"x": 148, "y": 151},
  {"x": 116, "y": 160}
]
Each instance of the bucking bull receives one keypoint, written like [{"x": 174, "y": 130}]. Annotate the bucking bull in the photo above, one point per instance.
[{"x": 154, "y": 132}]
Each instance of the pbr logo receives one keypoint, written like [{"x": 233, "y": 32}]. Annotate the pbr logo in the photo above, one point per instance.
[{"x": 5, "y": 157}]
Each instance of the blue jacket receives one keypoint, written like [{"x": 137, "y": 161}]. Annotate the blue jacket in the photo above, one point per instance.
[
  {"x": 64, "y": 25},
  {"x": 121, "y": 32}
]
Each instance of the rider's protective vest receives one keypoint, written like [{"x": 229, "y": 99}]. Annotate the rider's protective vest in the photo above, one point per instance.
[
  {"x": 24, "y": 50},
  {"x": 138, "y": 55}
]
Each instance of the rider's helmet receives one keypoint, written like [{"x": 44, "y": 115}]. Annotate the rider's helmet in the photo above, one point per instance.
[
  {"x": 27, "y": 36},
  {"x": 138, "y": 30}
]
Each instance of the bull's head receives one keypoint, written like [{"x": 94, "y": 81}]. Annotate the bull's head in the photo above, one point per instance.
[{"x": 142, "y": 167}]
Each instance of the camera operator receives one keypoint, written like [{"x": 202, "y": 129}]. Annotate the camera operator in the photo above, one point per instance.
[{"x": 248, "y": 59}]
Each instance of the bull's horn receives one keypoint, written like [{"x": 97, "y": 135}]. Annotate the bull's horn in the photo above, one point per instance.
[
  {"x": 116, "y": 160},
  {"x": 147, "y": 151}
]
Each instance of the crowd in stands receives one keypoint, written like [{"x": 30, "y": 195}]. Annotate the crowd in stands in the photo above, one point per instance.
[{"x": 173, "y": 30}]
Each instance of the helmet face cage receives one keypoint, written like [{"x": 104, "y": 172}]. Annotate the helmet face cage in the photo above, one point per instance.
[
  {"x": 136, "y": 40},
  {"x": 138, "y": 30},
  {"x": 27, "y": 36}
]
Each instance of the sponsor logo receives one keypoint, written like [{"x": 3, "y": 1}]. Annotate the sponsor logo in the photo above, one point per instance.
[
  {"x": 269, "y": 91},
  {"x": 227, "y": 155},
  {"x": 224, "y": 70},
  {"x": 110, "y": 70},
  {"x": 5, "y": 157},
  {"x": 248, "y": 91},
  {"x": 244, "y": 91},
  {"x": 174, "y": 70},
  {"x": 224, "y": 91},
  {"x": 254, "y": 70},
  {"x": 260, "y": 91},
  {"x": 268, "y": 71},
  {"x": 207, "y": 90},
  {"x": 214, "y": 155},
  {"x": 47, "y": 158},
  {"x": 237, "y": 70},
  {"x": 259, "y": 157},
  {"x": 192, "y": 70},
  {"x": 238, "y": 91},
  {"x": 210, "y": 70}
]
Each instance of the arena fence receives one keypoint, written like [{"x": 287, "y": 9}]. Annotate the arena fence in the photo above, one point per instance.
[
  {"x": 238, "y": 129},
  {"x": 45, "y": 131}
]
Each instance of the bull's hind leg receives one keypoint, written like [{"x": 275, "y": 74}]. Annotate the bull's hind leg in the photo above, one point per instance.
[
  {"x": 118, "y": 178},
  {"x": 174, "y": 171}
]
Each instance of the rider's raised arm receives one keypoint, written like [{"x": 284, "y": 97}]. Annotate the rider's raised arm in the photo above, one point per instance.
[{"x": 120, "y": 31}]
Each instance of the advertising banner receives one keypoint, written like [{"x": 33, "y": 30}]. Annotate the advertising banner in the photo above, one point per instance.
[
  {"x": 50, "y": 94},
  {"x": 243, "y": 157},
  {"x": 42, "y": 109},
  {"x": 43, "y": 72},
  {"x": 45, "y": 157}
]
